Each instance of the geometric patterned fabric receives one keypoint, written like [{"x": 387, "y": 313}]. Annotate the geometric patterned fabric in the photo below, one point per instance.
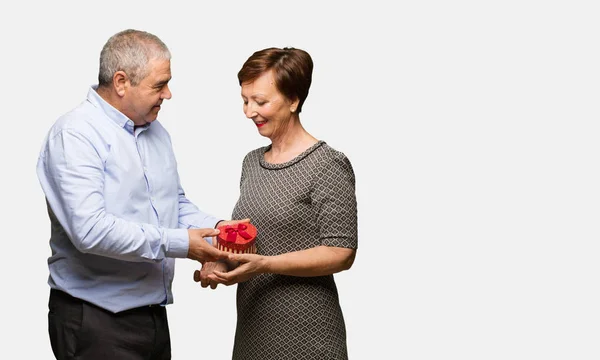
[{"x": 303, "y": 203}]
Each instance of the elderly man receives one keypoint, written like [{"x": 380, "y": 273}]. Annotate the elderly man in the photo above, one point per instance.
[{"x": 119, "y": 215}]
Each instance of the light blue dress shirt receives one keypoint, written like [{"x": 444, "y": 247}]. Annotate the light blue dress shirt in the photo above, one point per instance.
[{"x": 118, "y": 213}]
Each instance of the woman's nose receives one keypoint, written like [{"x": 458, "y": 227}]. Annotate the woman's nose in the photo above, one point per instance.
[{"x": 249, "y": 111}]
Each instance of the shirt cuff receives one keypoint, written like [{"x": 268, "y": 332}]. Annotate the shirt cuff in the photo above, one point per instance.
[{"x": 178, "y": 241}]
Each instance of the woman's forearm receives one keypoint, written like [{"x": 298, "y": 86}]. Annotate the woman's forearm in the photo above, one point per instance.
[{"x": 318, "y": 261}]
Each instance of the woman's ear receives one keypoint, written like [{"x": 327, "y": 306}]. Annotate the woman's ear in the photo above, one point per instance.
[{"x": 294, "y": 105}]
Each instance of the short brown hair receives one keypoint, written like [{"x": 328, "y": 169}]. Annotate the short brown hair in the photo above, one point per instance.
[{"x": 292, "y": 68}]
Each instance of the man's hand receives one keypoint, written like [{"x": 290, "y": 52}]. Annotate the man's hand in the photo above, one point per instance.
[
  {"x": 207, "y": 269},
  {"x": 201, "y": 250}
]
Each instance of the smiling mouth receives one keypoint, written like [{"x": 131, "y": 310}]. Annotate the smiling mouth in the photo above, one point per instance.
[{"x": 260, "y": 123}]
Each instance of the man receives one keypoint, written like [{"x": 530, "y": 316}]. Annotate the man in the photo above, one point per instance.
[{"x": 119, "y": 216}]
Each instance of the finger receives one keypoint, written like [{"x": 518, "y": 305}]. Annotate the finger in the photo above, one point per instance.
[
  {"x": 207, "y": 232},
  {"x": 220, "y": 276},
  {"x": 216, "y": 279},
  {"x": 203, "y": 279},
  {"x": 213, "y": 284},
  {"x": 200, "y": 276},
  {"x": 230, "y": 277}
]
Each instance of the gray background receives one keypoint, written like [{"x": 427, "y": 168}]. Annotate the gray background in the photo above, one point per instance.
[{"x": 472, "y": 128}]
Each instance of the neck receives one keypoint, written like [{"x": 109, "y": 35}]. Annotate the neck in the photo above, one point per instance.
[
  {"x": 110, "y": 97},
  {"x": 294, "y": 139}
]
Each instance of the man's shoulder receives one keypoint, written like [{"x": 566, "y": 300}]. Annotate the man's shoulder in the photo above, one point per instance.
[{"x": 79, "y": 119}]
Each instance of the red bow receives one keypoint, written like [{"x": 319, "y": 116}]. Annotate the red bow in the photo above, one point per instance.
[{"x": 232, "y": 232}]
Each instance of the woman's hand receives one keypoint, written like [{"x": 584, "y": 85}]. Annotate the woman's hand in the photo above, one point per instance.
[{"x": 249, "y": 265}]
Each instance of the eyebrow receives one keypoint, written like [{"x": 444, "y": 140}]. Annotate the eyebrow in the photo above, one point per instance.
[
  {"x": 253, "y": 96},
  {"x": 162, "y": 82}
]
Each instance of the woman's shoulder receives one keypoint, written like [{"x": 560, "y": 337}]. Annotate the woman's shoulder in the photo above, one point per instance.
[
  {"x": 332, "y": 161},
  {"x": 331, "y": 154},
  {"x": 255, "y": 154},
  {"x": 333, "y": 167}
]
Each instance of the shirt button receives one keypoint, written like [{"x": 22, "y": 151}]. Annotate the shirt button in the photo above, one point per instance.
[{"x": 145, "y": 169}]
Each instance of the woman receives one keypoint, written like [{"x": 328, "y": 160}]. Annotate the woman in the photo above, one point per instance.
[{"x": 300, "y": 194}]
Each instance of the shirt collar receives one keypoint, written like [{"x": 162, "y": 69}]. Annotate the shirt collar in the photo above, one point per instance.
[{"x": 115, "y": 115}]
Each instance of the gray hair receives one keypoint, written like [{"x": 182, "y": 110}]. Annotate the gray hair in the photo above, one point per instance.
[{"x": 130, "y": 51}]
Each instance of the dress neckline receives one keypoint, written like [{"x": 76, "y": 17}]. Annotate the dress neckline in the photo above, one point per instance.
[{"x": 302, "y": 155}]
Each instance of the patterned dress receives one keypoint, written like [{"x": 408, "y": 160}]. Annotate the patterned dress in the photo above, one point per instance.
[{"x": 303, "y": 203}]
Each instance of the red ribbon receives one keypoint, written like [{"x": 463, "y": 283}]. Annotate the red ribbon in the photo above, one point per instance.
[{"x": 232, "y": 232}]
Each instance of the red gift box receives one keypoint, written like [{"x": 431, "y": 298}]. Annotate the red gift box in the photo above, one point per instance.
[{"x": 239, "y": 238}]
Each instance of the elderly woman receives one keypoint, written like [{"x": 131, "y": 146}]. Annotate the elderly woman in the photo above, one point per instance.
[{"x": 300, "y": 194}]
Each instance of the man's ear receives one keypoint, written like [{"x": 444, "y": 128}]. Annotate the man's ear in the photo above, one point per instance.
[{"x": 120, "y": 82}]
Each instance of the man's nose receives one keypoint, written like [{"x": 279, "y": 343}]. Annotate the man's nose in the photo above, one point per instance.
[{"x": 166, "y": 94}]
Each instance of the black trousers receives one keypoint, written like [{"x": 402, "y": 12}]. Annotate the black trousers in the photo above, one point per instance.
[{"x": 80, "y": 330}]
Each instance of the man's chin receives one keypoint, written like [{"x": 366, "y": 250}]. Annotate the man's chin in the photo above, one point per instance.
[{"x": 146, "y": 122}]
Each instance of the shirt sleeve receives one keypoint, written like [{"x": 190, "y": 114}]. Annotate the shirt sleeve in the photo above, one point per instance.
[
  {"x": 71, "y": 173},
  {"x": 191, "y": 217},
  {"x": 334, "y": 198}
]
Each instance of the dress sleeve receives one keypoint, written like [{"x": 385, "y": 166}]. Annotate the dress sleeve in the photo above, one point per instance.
[
  {"x": 334, "y": 198},
  {"x": 244, "y": 162}
]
